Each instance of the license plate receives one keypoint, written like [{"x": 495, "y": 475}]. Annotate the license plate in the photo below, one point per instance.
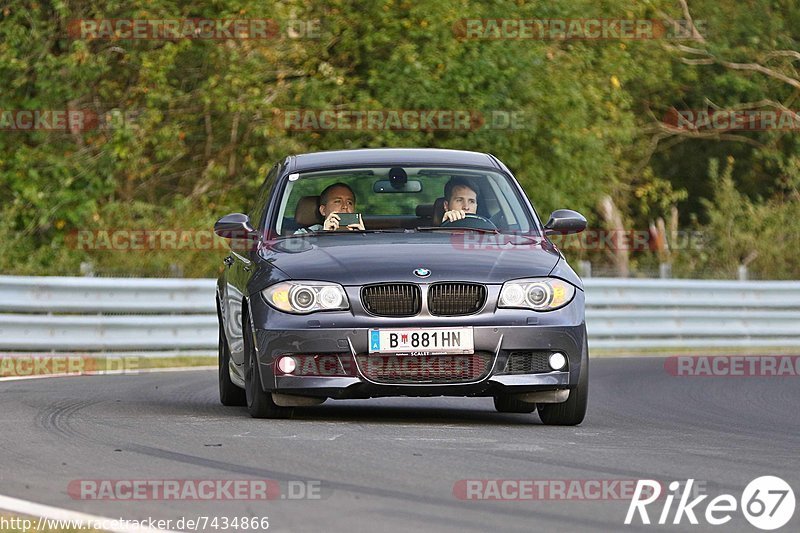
[{"x": 421, "y": 341}]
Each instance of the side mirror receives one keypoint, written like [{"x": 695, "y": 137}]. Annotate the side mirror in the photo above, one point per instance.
[
  {"x": 565, "y": 221},
  {"x": 235, "y": 226}
]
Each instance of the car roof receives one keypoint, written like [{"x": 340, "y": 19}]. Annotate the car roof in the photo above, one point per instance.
[{"x": 390, "y": 156}]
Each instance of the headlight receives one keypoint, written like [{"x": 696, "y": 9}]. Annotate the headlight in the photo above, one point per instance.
[
  {"x": 539, "y": 294},
  {"x": 301, "y": 297}
]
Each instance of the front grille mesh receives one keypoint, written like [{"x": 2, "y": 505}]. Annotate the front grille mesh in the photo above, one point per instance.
[
  {"x": 396, "y": 369},
  {"x": 527, "y": 363},
  {"x": 392, "y": 299},
  {"x": 456, "y": 299}
]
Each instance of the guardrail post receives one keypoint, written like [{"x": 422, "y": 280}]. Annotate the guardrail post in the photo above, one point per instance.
[
  {"x": 742, "y": 272},
  {"x": 665, "y": 270},
  {"x": 87, "y": 269},
  {"x": 585, "y": 268}
]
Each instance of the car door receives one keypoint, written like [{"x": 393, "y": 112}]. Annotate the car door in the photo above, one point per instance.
[{"x": 239, "y": 267}]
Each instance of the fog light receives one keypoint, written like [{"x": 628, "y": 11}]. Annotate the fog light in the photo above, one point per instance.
[
  {"x": 557, "y": 361},
  {"x": 287, "y": 365}
]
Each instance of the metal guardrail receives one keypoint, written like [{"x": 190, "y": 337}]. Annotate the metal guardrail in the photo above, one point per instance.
[
  {"x": 106, "y": 295},
  {"x": 106, "y": 314},
  {"x": 671, "y": 313},
  {"x": 120, "y": 314}
]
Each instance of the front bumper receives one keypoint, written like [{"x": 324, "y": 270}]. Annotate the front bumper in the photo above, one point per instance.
[
  {"x": 496, "y": 331},
  {"x": 341, "y": 388}
]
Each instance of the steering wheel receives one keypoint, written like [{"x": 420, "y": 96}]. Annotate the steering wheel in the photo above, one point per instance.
[{"x": 470, "y": 221}]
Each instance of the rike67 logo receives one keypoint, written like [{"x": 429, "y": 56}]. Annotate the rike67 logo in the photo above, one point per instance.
[{"x": 767, "y": 503}]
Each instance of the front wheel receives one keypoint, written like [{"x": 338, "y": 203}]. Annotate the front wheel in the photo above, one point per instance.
[
  {"x": 571, "y": 412},
  {"x": 259, "y": 402},
  {"x": 229, "y": 394},
  {"x": 509, "y": 404}
]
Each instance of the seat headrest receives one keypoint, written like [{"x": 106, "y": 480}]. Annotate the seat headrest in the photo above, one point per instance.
[
  {"x": 424, "y": 210},
  {"x": 438, "y": 211},
  {"x": 307, "y": 211}
]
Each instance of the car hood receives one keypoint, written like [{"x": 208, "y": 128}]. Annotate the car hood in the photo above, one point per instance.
[{"x": 363, "y": 258}]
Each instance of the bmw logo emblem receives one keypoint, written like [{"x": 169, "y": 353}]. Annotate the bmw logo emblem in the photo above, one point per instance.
[{"x": 422, "y": 272}]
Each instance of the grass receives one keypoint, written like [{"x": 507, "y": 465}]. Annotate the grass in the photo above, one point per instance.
[
  {"x": 40, "y": 364},
  {"x": 598, "y": 353},
  {"x": 178, "y": 361}
]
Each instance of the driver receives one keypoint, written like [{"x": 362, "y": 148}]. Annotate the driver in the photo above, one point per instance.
[
  {"x": 336, "y": 198},
  {"x": 461, "y": 198}
]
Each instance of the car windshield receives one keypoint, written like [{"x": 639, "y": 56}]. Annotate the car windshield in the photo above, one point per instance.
[{"x": 404, "y": 199}]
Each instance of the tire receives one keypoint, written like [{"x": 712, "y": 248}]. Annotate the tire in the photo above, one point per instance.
[
  {"x": 571, "y": 412},
  {"x": 259, "y": 402},
  {"x": 229, "y": 394},
  {"x": 509, "y": 404}
]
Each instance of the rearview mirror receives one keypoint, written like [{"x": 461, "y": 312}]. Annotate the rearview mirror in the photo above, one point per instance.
[
  {"x": 234, "y": 226},
  {"x": 565, "y": 221},
  {"x": 386, "y": 186}
]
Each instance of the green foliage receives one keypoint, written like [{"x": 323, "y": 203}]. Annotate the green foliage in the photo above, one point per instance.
[
  {"x": 189, "y": 128},
  {"x": 765, "y": 236}
]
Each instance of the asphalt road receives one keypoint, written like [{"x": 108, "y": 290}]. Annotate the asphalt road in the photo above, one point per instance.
[{"x": 392, "y": 464}]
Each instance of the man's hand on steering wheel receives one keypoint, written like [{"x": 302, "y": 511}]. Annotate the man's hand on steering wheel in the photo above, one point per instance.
[
  {"x": 452, "y": 216},
  {"x": 457, "y": 215}
]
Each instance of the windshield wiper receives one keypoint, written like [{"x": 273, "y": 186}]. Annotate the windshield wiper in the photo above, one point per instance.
[
  {"x": 385, "y": 230},
  {"x": 447, "y": 228},
  {"x": 343, "y": 232}
]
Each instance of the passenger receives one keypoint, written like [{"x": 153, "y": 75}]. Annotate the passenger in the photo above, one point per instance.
[
  {"x": 336, "y": 198},
  {"x": 461, "y": 198}
]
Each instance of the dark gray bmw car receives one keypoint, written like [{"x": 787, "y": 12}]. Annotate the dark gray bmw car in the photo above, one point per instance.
[{"x": 399, "y": 272}]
